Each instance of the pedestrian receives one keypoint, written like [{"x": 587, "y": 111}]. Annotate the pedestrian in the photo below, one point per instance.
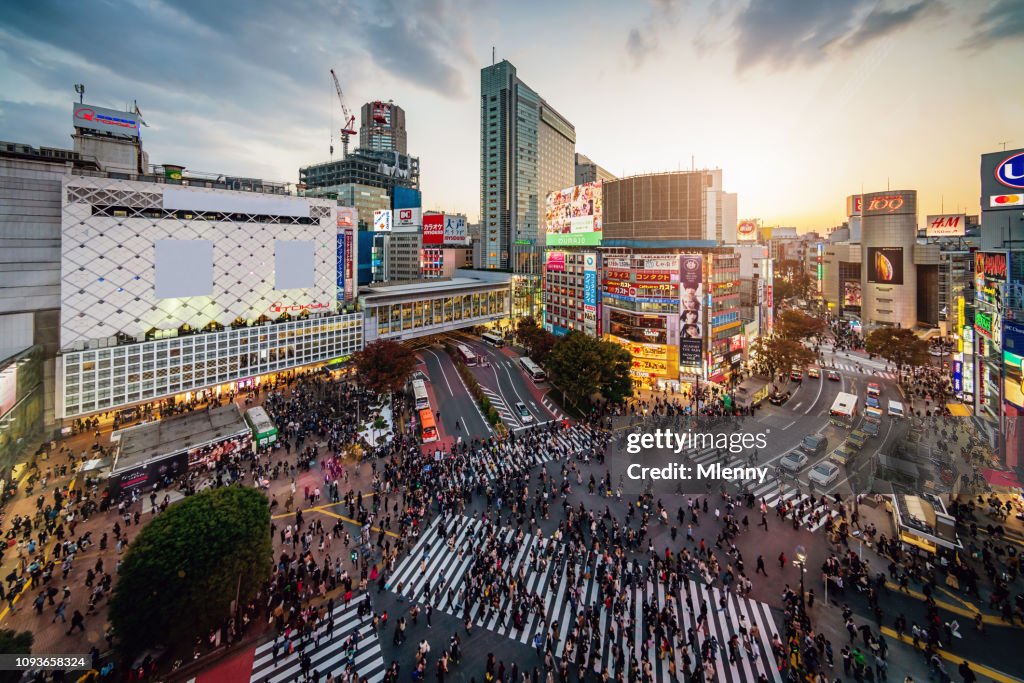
[
  {"x": 760, "y": 566},
  {"x": 782, "y": 560},
  {"x": 77, "y": 621}
]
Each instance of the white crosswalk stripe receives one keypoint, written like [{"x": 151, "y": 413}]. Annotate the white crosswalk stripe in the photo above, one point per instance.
[
  {"x": 332, "y": 655},
  {"x": 512, "y": 458},
  {"x": 499, "y": 404},
  {"x": 774, "y": 490},
  {"x": 867, "y": 371},
  {"x": 435, "y": 570}
]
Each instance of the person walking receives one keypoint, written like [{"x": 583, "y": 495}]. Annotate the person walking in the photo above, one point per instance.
[{"x": 760, "y": 566}]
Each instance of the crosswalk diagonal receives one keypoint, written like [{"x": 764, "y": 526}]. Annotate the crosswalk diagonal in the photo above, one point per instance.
[
  {"x": 332, "y": 654},
  {"x": 436, "y": 571}
]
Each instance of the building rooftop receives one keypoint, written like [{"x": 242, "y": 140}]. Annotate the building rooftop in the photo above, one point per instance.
[{"x": 157, "y": 440}]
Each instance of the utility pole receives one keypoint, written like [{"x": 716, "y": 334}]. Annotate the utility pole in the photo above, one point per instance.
[{"x": 80, "y": 89}]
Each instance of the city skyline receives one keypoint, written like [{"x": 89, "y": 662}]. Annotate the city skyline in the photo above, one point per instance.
[{"x": 774, "y": 93}]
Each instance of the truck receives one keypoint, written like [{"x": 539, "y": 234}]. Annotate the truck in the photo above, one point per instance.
[{"x": 843, "y": 410}]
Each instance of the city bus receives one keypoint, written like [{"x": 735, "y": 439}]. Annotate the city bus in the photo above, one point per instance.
[
  {"x": 428, "y": 426},
  {"x": 264, "y": 432},
  {"x": 467, "y": 356},
  {"x": 532, "y": 369},
  {"x": 419, "y": 392},
  {"x": 843, "y": 410},
  {"x": 493, "y": 339}
]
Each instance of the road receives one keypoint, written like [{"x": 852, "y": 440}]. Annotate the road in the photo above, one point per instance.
[
  {"x": 506, "y": 384},
  {"x": 450, "y": 397}
]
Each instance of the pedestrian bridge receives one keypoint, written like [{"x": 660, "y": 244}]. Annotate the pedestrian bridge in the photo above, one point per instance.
[{"x": 422, "y": 308}]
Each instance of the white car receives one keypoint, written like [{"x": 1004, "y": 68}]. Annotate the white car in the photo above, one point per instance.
[
  {"x": 824, "y": 473},
  {"x": 793, "y": 461},
  {"x": 524, "y": 415}
]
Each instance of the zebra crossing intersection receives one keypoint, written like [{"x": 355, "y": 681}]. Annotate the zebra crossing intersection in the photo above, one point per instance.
[
  {"x": 331, "y": 656},
  {"x": 435, "y": 570},
  {"x": 857, "y": 369},
  {"x": 510, "y": 458},
  {"x": 772, "y": 491}
]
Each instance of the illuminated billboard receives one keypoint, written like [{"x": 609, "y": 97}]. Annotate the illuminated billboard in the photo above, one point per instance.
[
  {"x": 946, "y": 225},
  {"x": 573, "y": 216},
  {"x": 746, "y": 230},
  {"x": 556, "y": 261},
  {"x": 1002, "y": 179},
  {"x": 455, "y": 230},
  {"x": 890, "y": 203},
  {"x": 852, "y": 295},
  {"x": 408, "y": 219},
  {"x": 433, "y": 228},
  {"x": 885, "y": 265},
  {"x": 691, "y": 292},
  {"x": 1013, "y": 354}
]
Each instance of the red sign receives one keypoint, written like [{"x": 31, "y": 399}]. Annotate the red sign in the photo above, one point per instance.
[
  {"x": 653, "y": 277},
  {"x": 278, "y": 307},
  {"x": 769, "y": 302},
  {"x": 617, "y": 274},
  {"x": 433, "y": 229},
  {"x": 886, "y": 203}
]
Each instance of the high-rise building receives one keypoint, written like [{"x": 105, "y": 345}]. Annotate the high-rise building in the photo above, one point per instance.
[
  {"x": 384, "y": 169},
  {"x": 589, "y": 172},
  {"x": 382, "y": 127},
  {"x": 527, "y": 149}
]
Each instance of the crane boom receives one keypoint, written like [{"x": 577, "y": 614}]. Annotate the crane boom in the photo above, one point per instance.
[{"x": 348, "y": 120}]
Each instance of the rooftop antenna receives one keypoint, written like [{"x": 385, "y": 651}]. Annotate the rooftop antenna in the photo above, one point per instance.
[
  {"x": 1003, "y": 143},
  {"x": 80, "y": 89},
  {"x": 493, "y": 58}
]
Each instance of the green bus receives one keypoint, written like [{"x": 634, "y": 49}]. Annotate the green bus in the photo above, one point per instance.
[{"x": 264, "y": 432}]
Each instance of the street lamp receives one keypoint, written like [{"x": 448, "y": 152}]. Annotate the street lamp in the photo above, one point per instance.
[{"x": 801, "y": 562}]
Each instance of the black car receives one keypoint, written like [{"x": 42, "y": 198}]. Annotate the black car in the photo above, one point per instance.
[{"x": 777, "y": 398}]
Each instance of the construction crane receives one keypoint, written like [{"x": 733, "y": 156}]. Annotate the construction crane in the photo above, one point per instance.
[{"x": 348, "y": 120}]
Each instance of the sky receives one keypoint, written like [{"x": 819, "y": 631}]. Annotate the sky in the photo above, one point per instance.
[{"x": 799, "y": 102}]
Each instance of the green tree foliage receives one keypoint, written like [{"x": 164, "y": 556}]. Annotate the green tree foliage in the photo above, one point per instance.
[
  {"x": 582, "y": 366},
  {"x": 897, "y": 345},
  {"x": 182, "y": 572},
  {"x": 14, "y": 643},
  {"x": 385, "y": 366},
  {"x": 791, "y": 281},
  {"x": 775, "y": 354},
  {"x": 537, "y": 340},
  {"x": 799, "y": 326}
]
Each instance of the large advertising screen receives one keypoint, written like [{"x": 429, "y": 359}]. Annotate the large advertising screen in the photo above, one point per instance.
[
  {"x": 573, "y": 216},
  {"x": 691, "y": 292},
  {"x": 8, "y": 388},
  {"x": 649, "y": 329},
  {"x": 852, "y": 295},
  {"x": 690, "y": 352},
  {"x": 433, "y": 229},
  {"x": 885, "y": 265},
  {"x": 1013, "y": 355}
]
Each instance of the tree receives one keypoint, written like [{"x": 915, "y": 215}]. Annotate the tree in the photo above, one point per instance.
[
  {"x": 775, "y": 354},
  {"x": 182, "y": 572},
  {"x": 796, "y": 325},
  {"x": 14, "y": 643},
  {"x": 897, "y": 345},
  {"x": 582, "y": 366},
  {"x": 384, "y": 366},
  {"x": 537, "y": 341}
]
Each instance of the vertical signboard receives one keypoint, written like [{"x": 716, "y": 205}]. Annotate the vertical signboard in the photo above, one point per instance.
[
  {"x": 433, "y": 229},
  {"x": 382, "y": 220},
  {"x": 590, "y": 292},
  {"x": 347, "y": 219},
  {"x": 691, "y": 294},
  {"x": 350, "y": 263}
]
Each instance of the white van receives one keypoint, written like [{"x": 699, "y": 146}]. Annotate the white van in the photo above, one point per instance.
[{"x": 895, "y": 409}]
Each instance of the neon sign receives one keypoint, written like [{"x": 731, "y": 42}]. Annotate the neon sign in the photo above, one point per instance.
[
  {"x": 886, "y": 204},
  {"x": 278, "y": 307}
]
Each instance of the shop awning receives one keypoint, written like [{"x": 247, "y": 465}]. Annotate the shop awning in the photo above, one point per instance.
[
  {"x": 1005, "y": 478},
  {"x": 958, "y": 410}
]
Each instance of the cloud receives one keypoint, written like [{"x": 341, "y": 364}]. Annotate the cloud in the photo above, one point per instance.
[
  {"x": 1003, "y": 21},
  {"x": 881, "y": 22},
  {"x": 645, "y": 40},
  {"x": 783, "y": 33}
]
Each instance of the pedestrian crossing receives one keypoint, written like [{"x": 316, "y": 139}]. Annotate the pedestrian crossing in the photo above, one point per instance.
[
  {"x": 774, "y": 490},
  {"x": 860, "y": 369},
  {"x": 436, "y": 570},
  {"x": 331, "y": 656},
  {"x": 511, "y": 459},
  {"x": 507, "y": 416},
  {"x": 550, "y": 405}
]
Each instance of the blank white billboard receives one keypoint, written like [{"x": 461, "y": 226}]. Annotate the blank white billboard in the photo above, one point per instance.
[
  {"x": 184, "y": 268},
  {"x": 294, "y": 264}
]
